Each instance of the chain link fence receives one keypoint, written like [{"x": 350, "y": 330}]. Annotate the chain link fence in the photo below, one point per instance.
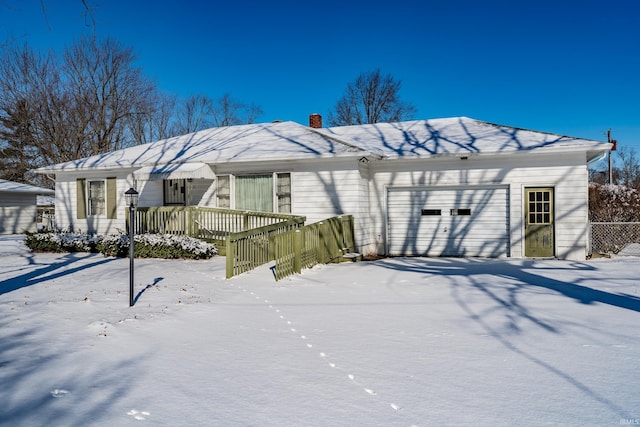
[{"x": 611, "y": 237}]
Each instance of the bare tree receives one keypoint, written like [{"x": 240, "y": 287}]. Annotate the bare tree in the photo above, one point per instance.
[
  {"x": 61, "y": 108},
  {"x": 156, "y": 123},
  {"x": 229, "y": 112},
  {"x": 371, "y": 98},
  {"x": 199, "y": 112},
  {"x": 628, "y": 171},
  {"x": 193, "y": 114}
]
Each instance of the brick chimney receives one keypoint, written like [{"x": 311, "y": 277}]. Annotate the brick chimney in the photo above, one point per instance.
[{"x": 315, "y": 121}]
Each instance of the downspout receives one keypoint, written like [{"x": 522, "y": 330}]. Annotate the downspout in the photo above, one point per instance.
[{"x": 598, "y": 158}]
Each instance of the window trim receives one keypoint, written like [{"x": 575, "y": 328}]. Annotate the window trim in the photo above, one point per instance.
[
  {"x": 275, "y": 176},
  {"x": 89, "y": 204}
]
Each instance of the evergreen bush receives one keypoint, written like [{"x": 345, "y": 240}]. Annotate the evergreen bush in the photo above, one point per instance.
[{"x": 164, "y": 246}]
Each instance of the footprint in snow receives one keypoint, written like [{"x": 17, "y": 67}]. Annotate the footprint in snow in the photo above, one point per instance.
[
  {"x": 59, "y": 392},
  {"x": 138, "y": 415}
]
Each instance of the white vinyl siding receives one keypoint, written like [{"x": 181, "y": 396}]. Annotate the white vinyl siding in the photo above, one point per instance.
[
  {"x": 566, "y": 173},
  {"x": 66, "y": 202},
  {"x": 17, "y": 213},
  {"x": 328, "y": 187}
]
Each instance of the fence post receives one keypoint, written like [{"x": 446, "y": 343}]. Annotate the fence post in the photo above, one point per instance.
[
  {"x": 321, "y": 250},
  {"x": 271, "y": 248},
  {"x": 348, "y": 232},
  {"x": 230, "y": 257},
  {"x": 297, "y": 251},
  {"x": 245, "y": 221}
]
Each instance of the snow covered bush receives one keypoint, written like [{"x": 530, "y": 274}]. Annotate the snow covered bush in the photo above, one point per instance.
[
  {"x": 166, "y": 246},
  {"x": 61, "y": 242},
  {"x": 613, "y": 203},
  {"x": 145, "y": 245}
]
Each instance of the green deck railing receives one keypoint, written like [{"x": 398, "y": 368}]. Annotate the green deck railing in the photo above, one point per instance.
[
  {"x": 210, "y": 224},
  {"x": 203, "y": 222},
  {"x": 319, "y": 243},
  {"x": 250, "y": 249},
  {"x": 250, "y": 239}
]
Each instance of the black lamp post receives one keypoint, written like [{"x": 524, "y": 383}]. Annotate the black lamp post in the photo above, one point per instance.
[{"x": 131, "y": 196}]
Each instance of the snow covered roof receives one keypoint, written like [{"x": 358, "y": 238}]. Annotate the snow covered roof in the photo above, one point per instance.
[
  {"x": 289, "y": 140},
  {"x": 454, "y": 136},
  {"x": 45, "y": 200},
  {"x": 246, "y": 143},
  {"x": 196, "y": 170},
  {"x": 16, "y": 187}
]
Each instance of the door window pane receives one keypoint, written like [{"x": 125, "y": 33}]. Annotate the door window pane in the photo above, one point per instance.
[{"x": 539, "y": 212}]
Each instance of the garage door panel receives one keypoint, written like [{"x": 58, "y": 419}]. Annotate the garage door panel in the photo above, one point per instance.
[{"x": 477, "y": 226}]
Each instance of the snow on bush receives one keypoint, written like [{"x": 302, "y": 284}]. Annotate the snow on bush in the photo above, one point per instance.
[
  {"x": 157, "y": 246},
  {"x": 613, "y": 203},
  {"x": 145, "y": 245},
  {"x": 61, "y": 242}
]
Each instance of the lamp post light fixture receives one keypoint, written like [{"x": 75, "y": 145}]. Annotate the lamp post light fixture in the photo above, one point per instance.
[{"x": 131, "y": 196}]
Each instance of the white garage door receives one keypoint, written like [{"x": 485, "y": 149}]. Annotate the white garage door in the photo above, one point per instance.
[{"x": 469, "y": 221}]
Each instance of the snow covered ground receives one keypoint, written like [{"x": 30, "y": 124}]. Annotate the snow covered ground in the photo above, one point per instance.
[{"x": 395, "y": 342}]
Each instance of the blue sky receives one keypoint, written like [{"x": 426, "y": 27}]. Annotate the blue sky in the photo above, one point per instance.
[{"x": 567, "y": 67}]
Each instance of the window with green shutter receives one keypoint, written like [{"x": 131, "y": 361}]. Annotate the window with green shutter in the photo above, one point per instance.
[{"x": 96, "y": 199}]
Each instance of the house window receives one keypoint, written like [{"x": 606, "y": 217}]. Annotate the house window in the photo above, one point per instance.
[
  {"x": 283, "y": 192},
  {"x": 223, "y": 191},
  {"x": 96, "y": 198},
  {"x": 175, "y": 192},
  {"x": 254, "y": 193}
]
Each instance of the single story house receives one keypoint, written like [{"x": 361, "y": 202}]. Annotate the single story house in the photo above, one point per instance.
[
  {"x": 441, "y": 187},
  {"x": 19, "y": 206}
]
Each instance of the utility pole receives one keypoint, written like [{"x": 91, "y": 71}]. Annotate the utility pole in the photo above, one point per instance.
[{"x": 614, "y": 142}]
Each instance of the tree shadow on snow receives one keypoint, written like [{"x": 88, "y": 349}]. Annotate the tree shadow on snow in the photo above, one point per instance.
[
  {"x": 522, "y": 278},
  {"x": 39, "y": 388},
  {"x": 57, "y": 269},
  {"x": 526, "y": 275}
]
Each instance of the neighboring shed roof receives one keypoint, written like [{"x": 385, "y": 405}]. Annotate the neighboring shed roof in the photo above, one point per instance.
[
  {"x": 246, "y": 143},
  {"x": 289, "y": 140},
  {"x": 16, "y": 187}
]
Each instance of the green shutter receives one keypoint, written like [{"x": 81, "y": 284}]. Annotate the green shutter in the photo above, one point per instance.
[
  {"x": 81, "y": 198},
  {"x": 112, "y": 208}
]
